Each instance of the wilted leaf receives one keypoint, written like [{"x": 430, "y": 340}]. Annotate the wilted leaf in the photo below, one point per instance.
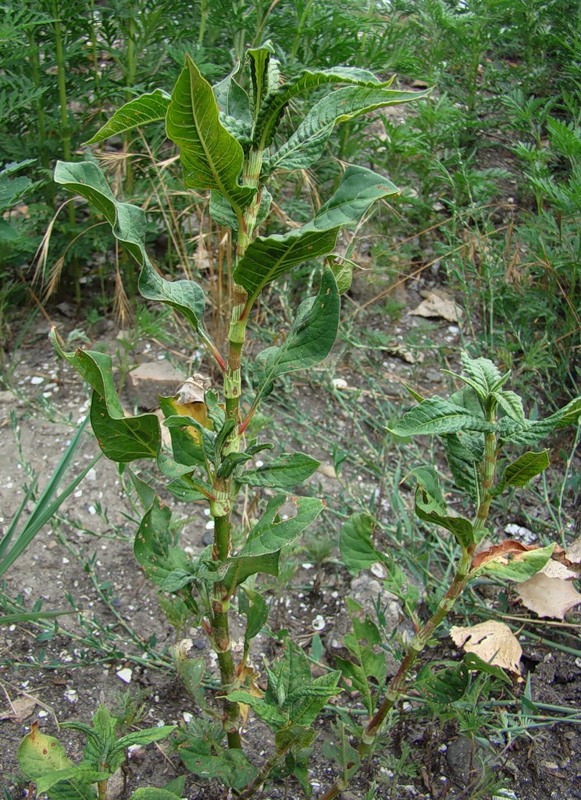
[
  {"x": 548, "y": 597},
  {"x": 20, "y": 709},
  {"x": 512, "y": 560},
  {"x": 493, "y": 642}
]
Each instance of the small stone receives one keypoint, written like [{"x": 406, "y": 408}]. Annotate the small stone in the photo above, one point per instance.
[
  {"x": 148, "y": 381},
  {"x": 36, "y": 380},
  {"x": 339, "y": 383},
  {"x": 319, "y": 623},
  {"x": 125, "y": 675},
  {"x": 91, "y": 475}
]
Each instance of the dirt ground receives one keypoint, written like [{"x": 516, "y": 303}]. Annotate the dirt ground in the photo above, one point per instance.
[{"x": 117, "y": 639}]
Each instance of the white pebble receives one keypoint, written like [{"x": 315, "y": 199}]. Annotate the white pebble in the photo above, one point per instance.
[{"x": 125, "y": 675}]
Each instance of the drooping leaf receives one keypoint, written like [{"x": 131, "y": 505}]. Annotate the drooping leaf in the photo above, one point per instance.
[
  {"x": 283, "y": 472},
  {"x": 525, "y": 468},
  {"x": 150, "y": 107},
  {"x": 166, "y": 565},
  {"x": 121, "y": 438},
  {"x": 429, "y": 509},
  {"x": 211, "y": 157},
  {"x": 310, "y": 339},
  {"x": 438, "y": 416},
  {"x": 512, "y": 561},
  {"x": 355, "y": 542},
  {"x": 268, "y": 258},
  {"x": 129, "y": 226},
  {"x": 231, "y": 767},
  {"x": 255, "y": 609},
  {"x": 307, "y": 143}
]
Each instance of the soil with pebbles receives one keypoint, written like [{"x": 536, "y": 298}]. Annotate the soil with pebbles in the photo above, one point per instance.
[{"x": 118, "y": 640}]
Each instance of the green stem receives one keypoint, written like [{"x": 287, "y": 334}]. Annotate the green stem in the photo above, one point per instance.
[
  {"x": 397, "y": 684},
  {"x": 130, "y": 75},
  {"x": 203, "y": 20},
  {"x": 40, "y": 115}
]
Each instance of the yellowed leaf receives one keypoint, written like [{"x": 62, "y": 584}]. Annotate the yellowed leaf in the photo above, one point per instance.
[
  {"x": 493, "y": 642},
  {"x": 548, "y": 597}
]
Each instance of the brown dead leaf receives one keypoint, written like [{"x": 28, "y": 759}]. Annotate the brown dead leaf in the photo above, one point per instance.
[
  {"x": 548, "y": 597},
  {"x": 20, "y": 709},
  {"x": 493, "y": 642},
  {"x": 501, "y": 552},
  {"x": 438, "y": 304},
  {"x": 574, "y": 551}
]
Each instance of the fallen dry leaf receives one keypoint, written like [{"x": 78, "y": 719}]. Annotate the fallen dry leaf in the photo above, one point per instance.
[
  {"x": 574, "y": 552},
  {"x": 438, "y": 305},
  {"x": 548, "y": 597},
  {"x": 493, "y": 642},
  {"x": 20, "y": 709}
]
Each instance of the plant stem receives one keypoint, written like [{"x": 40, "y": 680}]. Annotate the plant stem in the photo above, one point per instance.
[{"x": 397, "y": 684}]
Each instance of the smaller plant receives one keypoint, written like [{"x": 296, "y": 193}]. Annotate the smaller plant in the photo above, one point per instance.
[{"x": 43, "y": 760}]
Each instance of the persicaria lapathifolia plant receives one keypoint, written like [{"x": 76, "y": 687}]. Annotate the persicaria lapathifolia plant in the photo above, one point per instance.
[{"x": 229, "y": 142}]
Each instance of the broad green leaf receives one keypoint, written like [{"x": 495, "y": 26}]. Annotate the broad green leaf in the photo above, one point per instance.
[
  {"x": 211, "y": 157},
  {"x": 150, "y": 107},
  {"x": 167, "y": 566},
  {"x": 463, "y": 461},
  {"x": 275, "y": 104},
  {"x": 430, "y": 510},
  {"x": 288, "y": 675},
  {"x": 310, "y": 339},
  {"x": 438, "y": 416},
  {"x": 263, "y": 81},
  {"x": 516, "y": 567},
  {"x": 274, "y": 716},
  {"x": 355, "y": 542},
  {"x": 190, "y": 670},
  {"x": 268, "y": 258},
  {"x": 306, "y": 710},
  {"x": 283, "y": 472},
  {"x": 40, "y": 754},
  {"x": 145, "y": 736},
  {"x": 79, "y": 774},
  {"x": 255, "y": 609},
  {"x": 534, "y": 431},
  {"x": 239, "y": 568},
  {"x": 129, "y": 226},
  {"x": 232, "y": 99},
  {"x": 231, "y": 767},
  {"x": 151, "y": 793},
  {"x": 271, "y": 533},
  {"x": 293, "y": 737},
  {"x": 121, "y": 438},
  {"x": 307, "y": 143},
  {"x": 511, "y": 404},
  {"x": 124, "y": 439},
  {"x": 526, "y": 467}
]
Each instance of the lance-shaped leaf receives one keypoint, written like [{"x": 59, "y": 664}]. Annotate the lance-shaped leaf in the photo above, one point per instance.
[
  {"x": 237, "y": 569},
  {"x": 150, "y": 107},
  {"x": 268, "y": 258},
  {"x": 271, "y": 532},
  {"x": 431, "y": 510},
  {"x": 121, "y": 438},
  {"x": 166, "y": 565},
  {"x": 310, "y": 339},
  {"x": 129, "y": 225},
  {"x": 511, "y": 561},
  {"x": 356, "y": 544},
  {"x": 211, "y": 157},
  {"x": 272, "y": 109},
  {"x": 530, "y": 432},
  {"x": 525, "y": 468},
  {"x": 283, "y": 472},
  {"x": 438, "y": 416},
  {"x": 308, "y": 141},
  {"x": 264, "y": 73}
]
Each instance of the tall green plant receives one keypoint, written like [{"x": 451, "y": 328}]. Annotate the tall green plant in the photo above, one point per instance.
[{"x": 229, "y": 145}]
